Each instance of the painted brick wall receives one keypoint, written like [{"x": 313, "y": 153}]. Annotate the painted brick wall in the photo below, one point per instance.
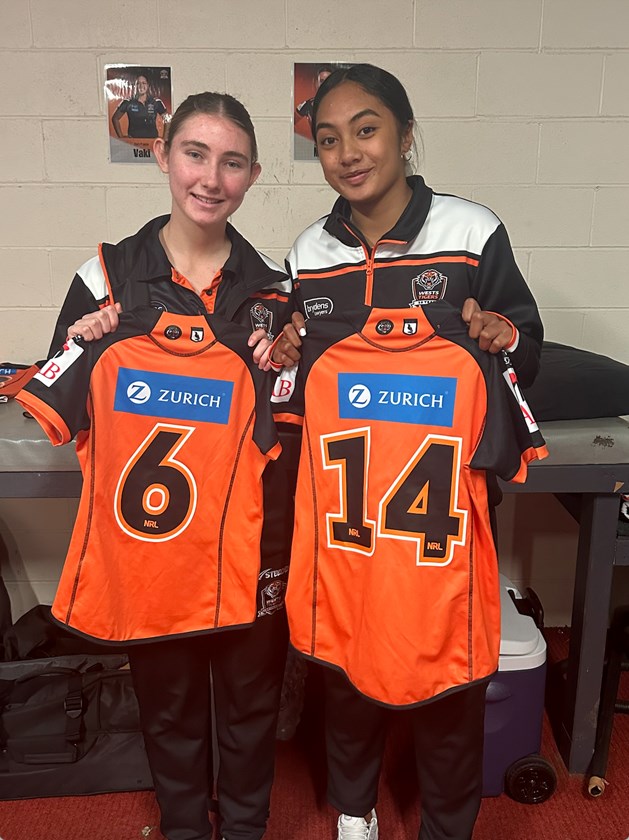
[{"x": 521, "y": 105}]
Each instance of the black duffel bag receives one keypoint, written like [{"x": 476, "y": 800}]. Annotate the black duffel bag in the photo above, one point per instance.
[{"x": 69, "y": 725}]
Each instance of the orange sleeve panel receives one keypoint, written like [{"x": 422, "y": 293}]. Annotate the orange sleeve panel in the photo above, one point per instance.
[{"x": 532, "y": 454}]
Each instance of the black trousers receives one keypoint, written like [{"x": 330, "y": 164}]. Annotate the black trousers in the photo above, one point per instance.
[
  {"x": 172, "y": 683},
  {"x": 448, "y": 735}
]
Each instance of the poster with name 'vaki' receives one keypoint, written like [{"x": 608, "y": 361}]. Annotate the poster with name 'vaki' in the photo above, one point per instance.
[{"x": 139, "y": 105}]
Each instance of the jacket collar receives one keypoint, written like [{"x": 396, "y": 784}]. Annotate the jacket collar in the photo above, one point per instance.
[
  {"x": 404, "y": 230},
  {"x": 149, "y": 263}
]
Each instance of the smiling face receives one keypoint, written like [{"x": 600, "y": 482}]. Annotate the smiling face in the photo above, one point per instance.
[
  {"x": 360, "y": 145},
  {"x": 209, "y": 168},
  {"x": 141, "y": 86}
]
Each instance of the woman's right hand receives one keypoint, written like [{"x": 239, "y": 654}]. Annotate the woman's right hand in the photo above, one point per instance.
[
  {"x": 96, "y": 324},
  {"x": 286, "y": 351}
]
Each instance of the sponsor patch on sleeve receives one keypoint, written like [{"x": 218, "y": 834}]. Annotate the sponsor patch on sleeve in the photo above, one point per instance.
[
  {"x": 57, "y": 366},
  {"x": 284, "y": 385}
]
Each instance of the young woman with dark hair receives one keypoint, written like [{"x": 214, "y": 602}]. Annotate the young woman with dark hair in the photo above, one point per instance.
[
  {"x": 391, "y": 242},
  {"x": 142, "y": 111}
]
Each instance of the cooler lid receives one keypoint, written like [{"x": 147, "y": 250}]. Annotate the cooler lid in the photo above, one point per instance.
[{"x": 519, "y": 635}]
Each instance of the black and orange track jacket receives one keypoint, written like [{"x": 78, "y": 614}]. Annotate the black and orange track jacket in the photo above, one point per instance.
[
  {"x": 253, "y": 291},
  {"x": 441, "y": 248}
]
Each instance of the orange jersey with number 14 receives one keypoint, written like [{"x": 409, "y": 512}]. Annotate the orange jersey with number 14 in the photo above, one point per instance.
[{"x": 394, "y": 576}]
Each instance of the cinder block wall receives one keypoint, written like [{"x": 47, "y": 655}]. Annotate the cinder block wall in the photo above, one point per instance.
[{"x": 521, "y": 105}]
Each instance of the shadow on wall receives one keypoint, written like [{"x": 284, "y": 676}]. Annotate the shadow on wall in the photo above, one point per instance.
[
  {"x": 24, "y": 596},
  {"x": 537, "y": 547}
]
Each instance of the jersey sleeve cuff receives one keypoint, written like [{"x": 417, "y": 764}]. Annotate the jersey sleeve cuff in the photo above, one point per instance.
[
  {"x": 515, "y": 335},
  {"x": 274, "y": 366}
]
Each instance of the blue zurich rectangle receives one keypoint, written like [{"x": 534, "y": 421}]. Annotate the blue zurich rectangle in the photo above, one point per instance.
[
  {"x": 176, "y": 397},
  {"x": 397, "y": 398}
]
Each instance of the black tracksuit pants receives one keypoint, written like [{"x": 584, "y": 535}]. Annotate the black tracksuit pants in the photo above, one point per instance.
[
  {"x": 448, "y": 735},
  {"x": 172, "y": 682}
]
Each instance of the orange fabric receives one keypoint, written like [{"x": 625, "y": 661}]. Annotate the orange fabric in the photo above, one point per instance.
[
  {"x": 337, "y": 272},
  {"x": 208, "y": 295},
  {"x": 11, "y": 383},
  {"x": 394, "y": 575},
  {"x": 167, "y": 536}
]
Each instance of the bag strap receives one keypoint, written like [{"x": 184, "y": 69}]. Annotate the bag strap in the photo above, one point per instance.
[
  {"x": 73, "y": 707},
  {"x": 73, "y": 703},
  {"x": 48, "y": 672}
]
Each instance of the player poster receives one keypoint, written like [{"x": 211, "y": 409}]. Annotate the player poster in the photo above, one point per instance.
[
  {"x": 307, "y": 79},
  {"x": 139, "y": 104}
]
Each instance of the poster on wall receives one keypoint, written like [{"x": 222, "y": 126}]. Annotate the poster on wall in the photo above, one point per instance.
[
  {"x": 307, "y": 79},
  {"x": 139, "y": 104}
]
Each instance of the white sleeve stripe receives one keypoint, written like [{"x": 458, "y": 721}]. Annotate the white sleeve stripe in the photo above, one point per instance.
[
  {"x": 91, "y": 273},
  {"x": 514, "y": 344}
]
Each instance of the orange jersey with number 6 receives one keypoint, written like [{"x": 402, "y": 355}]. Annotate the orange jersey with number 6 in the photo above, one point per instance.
[{"x": 173, "y": 430}]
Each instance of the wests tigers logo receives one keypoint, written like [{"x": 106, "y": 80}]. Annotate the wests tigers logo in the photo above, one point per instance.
[
  {"x": 262, "y": 319},
  {"x": 428, "y": 286}
]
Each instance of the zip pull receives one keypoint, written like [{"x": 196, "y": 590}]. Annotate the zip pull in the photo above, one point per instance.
[{"x": 369, "y": 272}]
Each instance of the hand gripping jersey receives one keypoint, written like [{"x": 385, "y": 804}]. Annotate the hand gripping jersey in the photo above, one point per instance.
[
  {"x": 173, "y": 430},
  {"x": 394, "y": 575}
]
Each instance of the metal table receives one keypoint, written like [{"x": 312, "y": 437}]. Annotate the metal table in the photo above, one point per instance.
[
  {"x": 29, "y": 466},
  {"x": 588, "y": 467}
]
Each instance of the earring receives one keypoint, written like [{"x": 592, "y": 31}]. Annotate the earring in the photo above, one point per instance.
[{"x": 408, "y": 156}]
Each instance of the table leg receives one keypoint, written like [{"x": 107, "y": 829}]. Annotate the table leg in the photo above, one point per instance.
[{"x": 590, "y": 615}]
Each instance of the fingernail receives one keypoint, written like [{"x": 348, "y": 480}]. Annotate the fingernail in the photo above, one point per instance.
[{"x": 302, "y": 332}]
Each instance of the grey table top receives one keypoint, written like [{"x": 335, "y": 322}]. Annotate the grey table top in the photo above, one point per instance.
[
  {"x": 585, "y": 455},
  {"x": 25, "y": 448}
]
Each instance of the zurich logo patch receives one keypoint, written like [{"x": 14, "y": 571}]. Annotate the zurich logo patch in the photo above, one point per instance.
[
  {"x": 397, "y": 398},
  {"x": 174, "y": 397}
]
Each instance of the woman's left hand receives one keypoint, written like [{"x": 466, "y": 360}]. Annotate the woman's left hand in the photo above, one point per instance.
[
  {"x": 492, "y": 331},
  {"x": 261, "y": 343}
]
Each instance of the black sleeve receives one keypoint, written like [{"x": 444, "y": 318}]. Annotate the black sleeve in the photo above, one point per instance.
[
  {"x": 265, "y": 432},
  {"x": 511, "y": 437},
  {"x": 284, "y": 311},
  {"x": 122, "y": 108},
  {"x": 500, "y": 288},
  {"x": 297, "y": 297},
  {"x": 79, "y": 301},
  {"x": 57, "y": 396},
  {"x": 304, "y": 109}
]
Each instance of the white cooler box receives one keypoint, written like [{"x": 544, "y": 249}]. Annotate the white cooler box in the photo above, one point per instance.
[{"x": 515, "y": 710}]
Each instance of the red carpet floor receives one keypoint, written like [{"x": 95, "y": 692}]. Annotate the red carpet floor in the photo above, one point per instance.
[{"x": 299, "y": 811}]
